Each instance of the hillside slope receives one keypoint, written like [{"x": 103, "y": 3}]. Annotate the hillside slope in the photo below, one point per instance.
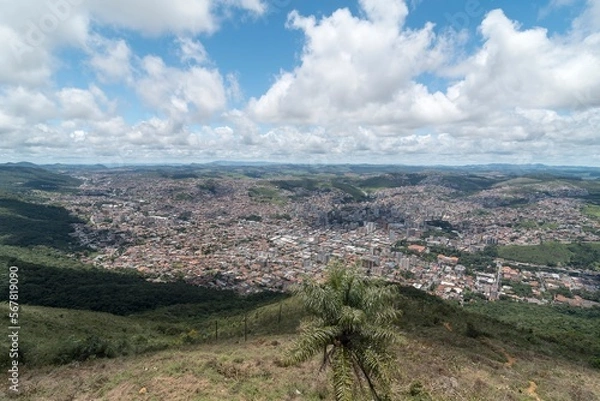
[{"x": 250, "y": 371}]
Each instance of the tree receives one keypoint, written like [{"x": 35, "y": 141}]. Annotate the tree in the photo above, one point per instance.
[{"x": 352, "y": 323}]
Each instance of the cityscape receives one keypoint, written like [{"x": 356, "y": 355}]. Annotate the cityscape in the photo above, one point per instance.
[{"x": 252, "y": 234}]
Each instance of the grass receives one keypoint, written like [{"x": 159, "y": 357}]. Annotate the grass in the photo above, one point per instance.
[
  {"x": 266, "y": 194},
  {"x": 56, "y": 336},
  {"x": 548, "y": 253},
  {"x": 237, "y": 370},
  {"x": 573, "y": 329},
  {"x": 354, "y": 193},
  {"x": 579, "y": 255},
  {"x": 591, "y": 210},
  {"x": 29, "y": 224},
  {"x": 14, "y": 178},
  {"x": 171, "y": 353}
]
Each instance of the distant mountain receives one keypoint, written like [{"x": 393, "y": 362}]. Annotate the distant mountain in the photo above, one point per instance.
[
  {"x": 18, "y": 177},
  {"x": 19, "y": 164}
]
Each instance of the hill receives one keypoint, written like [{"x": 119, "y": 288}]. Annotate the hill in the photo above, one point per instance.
[
  {"x": 91, "y": 334},
  {"x": 449, "y": 354},
  {"x": 22, "y": 177}
]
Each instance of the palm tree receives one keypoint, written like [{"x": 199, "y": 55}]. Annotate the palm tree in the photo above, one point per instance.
[{"x": 352, "y": 323}]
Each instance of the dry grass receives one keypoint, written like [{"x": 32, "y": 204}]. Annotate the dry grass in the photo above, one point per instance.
[{"x": 250, "y": 371}]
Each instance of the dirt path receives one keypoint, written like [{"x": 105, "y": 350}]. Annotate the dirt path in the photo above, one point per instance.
[
  {"x": 531, "y": 391},
  {"x": 510, "y": 360}
]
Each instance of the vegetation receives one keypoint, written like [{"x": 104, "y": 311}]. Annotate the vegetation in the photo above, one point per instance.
[
  {"x": 391, "y": 180},
  {"x": 354, "y": 194},
  {"x": 73, "y": 312},
  {"x": 26, "y": 177},
  {"x": 265, "y": 194},
  {"x": 578, "y": 255},
  {"x": 480, "y": 261},
  {"x": 448, "y": 353},
  {"x": 118, "y": 293},
  {"x": 574, "y": 329},
  {"x": 252, "y": 217},
  {"x": 352, "y": 323},
  {"x": 306, "y": 184},
  {"x": 24, "y": 223}
]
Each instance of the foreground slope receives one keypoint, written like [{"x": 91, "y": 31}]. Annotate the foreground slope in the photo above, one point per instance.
[{"x": 250, "y": 371}]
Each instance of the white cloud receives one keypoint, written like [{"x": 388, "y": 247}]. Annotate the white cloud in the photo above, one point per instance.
[
  {"x": 31, "y": 105},
  {"x": 388, "y": 12},
  {"x": 166, "y": 16},
  {"x": 82, "y": 104},
  {"x": 359, "y": 92},
  {"x": 526, "y": 68},
  {"x": 352, "y": 66},
  {"x": 112, "y": 61},
  {"x": 516, "y": 94},
  {"x": 31, "y": 30},
  {"x": 20, "y": 63},
  {"x": 194, "y": 94},
  {"x": 589, "y": 21},
  {"x": 192, "y": 51}
]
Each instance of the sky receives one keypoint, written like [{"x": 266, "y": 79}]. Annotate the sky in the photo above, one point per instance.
[{"x": 427, "y": 82}]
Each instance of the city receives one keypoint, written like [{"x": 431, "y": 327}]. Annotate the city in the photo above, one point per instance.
[{"x": 251, "y": 234}]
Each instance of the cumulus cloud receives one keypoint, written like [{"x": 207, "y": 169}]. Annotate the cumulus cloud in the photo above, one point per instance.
[
  {"x": 352, "y": 65},
  {"x": 31, "y": 30},
  {"x": 522, "y": 92},
  {"x": 184, "y": 95},
  {"x": 111, "y": 59},
  {"x": 76, "y": 103},
  {"x": 172, "y": 16},
  {"x": 526, "y": 68},
  {"x": 361, "y": 90},
  {"x": 192, "y": 51}
]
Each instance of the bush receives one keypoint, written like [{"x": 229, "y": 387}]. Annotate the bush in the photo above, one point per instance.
[{"x": 91, "y": 347}]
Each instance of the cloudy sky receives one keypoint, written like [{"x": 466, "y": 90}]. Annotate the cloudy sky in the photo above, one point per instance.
[{"x": 367, "y": 81}]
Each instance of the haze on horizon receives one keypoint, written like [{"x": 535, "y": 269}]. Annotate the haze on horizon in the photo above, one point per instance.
[{"x": 368, "y": 81}]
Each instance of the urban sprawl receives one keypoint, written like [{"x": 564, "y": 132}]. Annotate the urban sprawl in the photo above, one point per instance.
[{"x": 249, "y": 234}]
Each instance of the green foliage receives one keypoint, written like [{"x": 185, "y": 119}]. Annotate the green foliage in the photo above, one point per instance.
[
  {"x": 527, "y": 224},
  {"x": 306, "y": 184},
  {"x": 578, "y": 255},
  {"x": 417, "y": 392},
  {"x": 472, "y": 260},
  {"x": 467, "y": 182},
  {"x": 521, "y": 290},
  {"x": 591, "y": 210},
  {"x": 265, "y": 194},
  {"x": 90, "y": 347},
  {"x": 571, "y": 329},
  {"x": 352, "y": 323},
  {"x": 29, "y": 224},
  {"x": 118, "y": 293},
  {"x": 392, "y": 180},
  {"x": 18, "y": 178},
  {"x": 355, "y": 194},
  {"x": 592, "y": 296},
  {"x": 209, "y": 185}
]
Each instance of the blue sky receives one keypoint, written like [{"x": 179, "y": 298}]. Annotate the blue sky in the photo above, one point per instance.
[{"x": 368, "y": 81}]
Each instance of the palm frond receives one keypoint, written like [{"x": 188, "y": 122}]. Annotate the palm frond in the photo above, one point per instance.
[
  {"x": 353, "y": 323},
  {"x": 343, "y": 382},
  {"x": 312, "y": 341}
]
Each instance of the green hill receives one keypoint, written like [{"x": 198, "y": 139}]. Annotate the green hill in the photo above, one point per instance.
[
  {"x": 94, "y": 334},
  {"x": 450, "y": 353},
  {"x": 578, "y": 255},
  {"x": 25, "y": 177}
]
